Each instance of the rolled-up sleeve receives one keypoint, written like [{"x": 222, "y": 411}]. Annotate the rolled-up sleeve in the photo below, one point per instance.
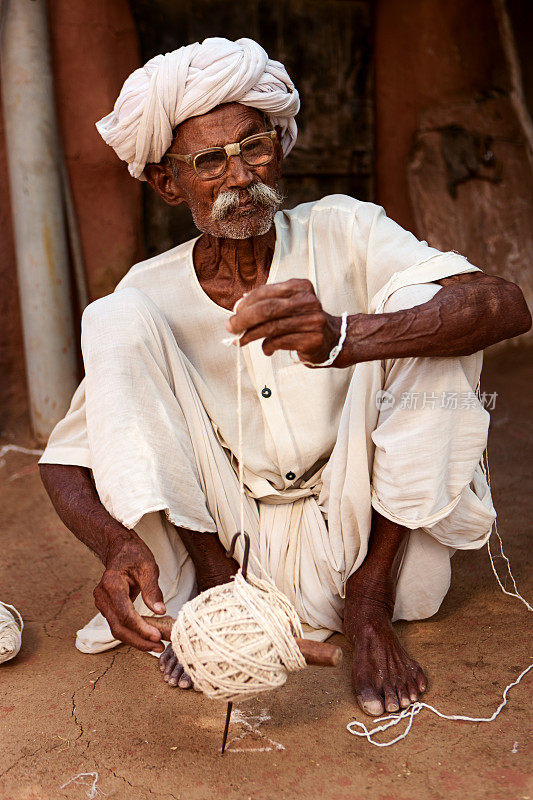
[
  {"x": 395, "y": 258},
  {"x": 68, "y": 442}
]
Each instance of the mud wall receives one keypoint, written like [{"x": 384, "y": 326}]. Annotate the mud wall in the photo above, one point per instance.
[
  {"x": 94, "y": 48},
  {"x": 454, "y": 144},
  {"x": 427, "y": 53}
]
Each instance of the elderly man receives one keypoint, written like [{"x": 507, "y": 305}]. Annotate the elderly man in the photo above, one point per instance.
[{"x": 361, "y": 346}]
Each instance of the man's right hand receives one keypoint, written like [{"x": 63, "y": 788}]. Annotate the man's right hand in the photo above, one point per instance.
[
  {"x": 130, "y": 570},
  {"x": 130, "y": 567}
]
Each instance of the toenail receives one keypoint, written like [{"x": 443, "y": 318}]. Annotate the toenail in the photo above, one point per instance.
[
  {"x": 172, "y": 682},
  {"x": 373, "y": 707}
]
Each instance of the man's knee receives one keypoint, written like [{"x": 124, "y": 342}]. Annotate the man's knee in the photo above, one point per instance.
[
  {"x": 124, "y": 314},
  {"x": 123, "y": 304}
]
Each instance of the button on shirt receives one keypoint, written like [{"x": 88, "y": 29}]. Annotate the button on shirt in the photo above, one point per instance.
[{"x": 356, "y": 257}]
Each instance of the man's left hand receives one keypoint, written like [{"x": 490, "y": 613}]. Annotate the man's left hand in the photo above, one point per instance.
[{"x": 288, "y": 316}]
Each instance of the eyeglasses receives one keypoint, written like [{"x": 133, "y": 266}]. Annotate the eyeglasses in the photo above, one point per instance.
[{"x": 256, "y": 151}]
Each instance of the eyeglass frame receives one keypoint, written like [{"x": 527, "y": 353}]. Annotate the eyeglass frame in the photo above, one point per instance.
[{"x": 232, "y": 149}]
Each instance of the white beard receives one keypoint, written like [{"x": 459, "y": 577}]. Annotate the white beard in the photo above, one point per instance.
[{"x": 266, "y": 202}]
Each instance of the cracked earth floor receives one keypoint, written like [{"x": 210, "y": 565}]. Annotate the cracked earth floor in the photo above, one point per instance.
[{"x": 110, "y": 717}]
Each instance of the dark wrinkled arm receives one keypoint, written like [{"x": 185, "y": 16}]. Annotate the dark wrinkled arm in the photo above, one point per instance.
[
  {"x": 78, "y": 506},
  {"x": 130, "y": 567},
  {"x": 469, "y": 313}
]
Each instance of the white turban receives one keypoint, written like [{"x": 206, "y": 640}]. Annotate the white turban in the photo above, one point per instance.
[{"x": 191, "y": 81}]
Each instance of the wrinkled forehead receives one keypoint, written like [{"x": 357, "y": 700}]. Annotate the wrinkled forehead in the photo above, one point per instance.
[{"x": 229, "y": 122}]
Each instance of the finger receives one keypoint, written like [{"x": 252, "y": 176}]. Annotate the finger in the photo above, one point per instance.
[
  {"x": 307, "y": 345},
  {"x": 150, "y": 591},
  {"x": 268, "y": 291},
  {"x": 124, "y": 611},
  {"x": 127, "y": 636},
  {"x": 312, "y": 322},
  {"x": 272, "y": 308}
]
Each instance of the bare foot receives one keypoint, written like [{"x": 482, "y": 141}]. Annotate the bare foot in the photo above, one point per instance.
[
  {"x": 385, "y": 677},
  {"x": 173, "y": 672}
]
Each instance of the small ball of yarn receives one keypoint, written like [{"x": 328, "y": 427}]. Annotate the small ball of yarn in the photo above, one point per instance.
[
  {"x": 237, "y": 640},
  {"x": 10, "y": 632}
]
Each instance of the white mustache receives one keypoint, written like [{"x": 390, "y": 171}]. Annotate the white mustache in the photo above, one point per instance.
[{"x": 259, "y": 192}]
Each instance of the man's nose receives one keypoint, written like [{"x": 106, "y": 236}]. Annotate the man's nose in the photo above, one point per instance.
[{"x": 238, "y": 174}]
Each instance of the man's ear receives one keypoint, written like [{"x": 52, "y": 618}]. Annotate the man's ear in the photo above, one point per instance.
[
  {"x": 279, "y": 150},
  {"x": 164, "y": 183}
]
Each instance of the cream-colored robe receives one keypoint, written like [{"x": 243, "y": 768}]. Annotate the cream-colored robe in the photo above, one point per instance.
[{"x": 155, "y": 420}]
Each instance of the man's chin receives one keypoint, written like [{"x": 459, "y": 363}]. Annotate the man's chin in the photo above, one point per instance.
[{"x": 238, "y": 226}]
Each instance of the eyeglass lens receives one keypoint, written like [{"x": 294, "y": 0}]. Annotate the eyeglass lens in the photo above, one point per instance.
[{"x": 255, "y": 152}]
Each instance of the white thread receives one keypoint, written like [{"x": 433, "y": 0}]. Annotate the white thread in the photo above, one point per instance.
[
  {"x": 15, "y": 448},
  {"x": 240, "y": 446},
  {"x": 229, "y": 340},
  {"x": 238, "y": 639},
  {"x": 335, "y": 350},
  {"x": 10, "y": 632},
  {"x": 251, "y": 723},
  {"x": 516, "y": 593},
  {"x": 416, "y": 708},
  {"x": 412, "y": 711},
  {"x": 92, "y": 789}
]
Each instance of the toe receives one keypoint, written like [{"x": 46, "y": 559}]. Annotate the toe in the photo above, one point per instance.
[
  {"x": 370, "y": 701},
  {"x": 175, "y": 675},
  {"x": 421, "y": 681},
  {"x": 391, "y": 699},
  {"x": 403, "y": 695},
  {"x": 170, "y": 666},
  {"x": 185, "y": 681},
  {"x": 164, "y": 657},
  {"x": 412, "y": 689},
  {"x": 372, "y": 707}
]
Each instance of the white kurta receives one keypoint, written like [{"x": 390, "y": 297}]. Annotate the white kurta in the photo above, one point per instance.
[{"x": 155, "y": 419}]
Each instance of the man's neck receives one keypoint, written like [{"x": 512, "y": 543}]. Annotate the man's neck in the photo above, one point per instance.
[{"x": 226, "y": 268}]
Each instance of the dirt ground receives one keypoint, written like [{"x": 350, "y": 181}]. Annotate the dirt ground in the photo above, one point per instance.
[{"x": 63, "y": 713}]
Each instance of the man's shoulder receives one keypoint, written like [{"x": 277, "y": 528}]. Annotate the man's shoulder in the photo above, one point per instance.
[
  {"x": 332, "y": 207},
  {"x": 151, "y": 268}
]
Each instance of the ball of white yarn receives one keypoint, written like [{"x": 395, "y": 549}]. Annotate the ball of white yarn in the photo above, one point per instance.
[
  {"x": 237, "y": 640},
  {"x": 10, "y": 632}
]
